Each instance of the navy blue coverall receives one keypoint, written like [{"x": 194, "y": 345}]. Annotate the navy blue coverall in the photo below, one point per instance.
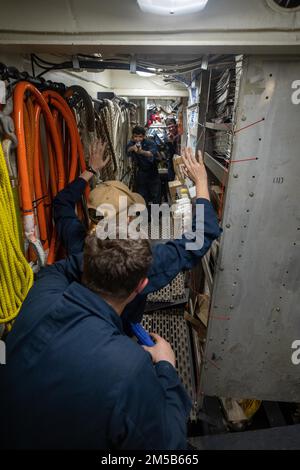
[
  {"x": 73, "y": 378},
  {"x": 147, "y": 180}
]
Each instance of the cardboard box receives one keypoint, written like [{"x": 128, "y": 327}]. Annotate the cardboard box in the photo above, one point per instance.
[
  {"x": 178, "y": 168},
  {"x": 173, "y": 186}
]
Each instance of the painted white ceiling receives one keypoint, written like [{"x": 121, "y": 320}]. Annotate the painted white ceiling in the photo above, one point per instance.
[
  {"x": 91, "y": 24},
  {"x": 99, "y": 16}
]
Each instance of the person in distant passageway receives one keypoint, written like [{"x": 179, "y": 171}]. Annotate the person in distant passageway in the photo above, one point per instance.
[{"x": 145, "y": 154}]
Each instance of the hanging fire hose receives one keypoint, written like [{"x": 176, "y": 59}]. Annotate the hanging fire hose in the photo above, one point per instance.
[
  {"x": 49, "y": 155},
  {"x": 16, "y": 276},
  {"x": 36, "y": 190}
]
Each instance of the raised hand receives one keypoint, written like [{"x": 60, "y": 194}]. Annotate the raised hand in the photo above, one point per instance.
[
  {"x": 196, "y": 171},
  {"x": 97, "y": 150}
]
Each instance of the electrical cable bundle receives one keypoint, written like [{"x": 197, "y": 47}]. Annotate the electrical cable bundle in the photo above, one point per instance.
[
  {"x": 225, "y": 95},
  {"x": 222, "y": 106}
]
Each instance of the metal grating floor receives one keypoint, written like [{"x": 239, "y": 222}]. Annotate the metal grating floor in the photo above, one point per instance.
[
  {"x": 175, "y": 290},
  {"x": 171, "y": 325},
  {"x": 170, "y": 293},
  {"x": 161, "y": 231}
]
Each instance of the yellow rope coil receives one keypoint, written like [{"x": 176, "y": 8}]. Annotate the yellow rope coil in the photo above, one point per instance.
[{"x": 16, "y": 276}]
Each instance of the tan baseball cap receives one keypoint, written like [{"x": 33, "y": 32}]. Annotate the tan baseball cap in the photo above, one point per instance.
[{"x": 109, "y": 192}]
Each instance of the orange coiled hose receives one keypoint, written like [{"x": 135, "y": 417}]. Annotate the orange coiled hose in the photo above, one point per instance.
[
  {"x": 76, "y": 146},
  {"x": 19, "y": 92},
  {"x": 38, "y": 184},
  {"x": 61, "y": 108},
  {"x": 29, "y": 143}
]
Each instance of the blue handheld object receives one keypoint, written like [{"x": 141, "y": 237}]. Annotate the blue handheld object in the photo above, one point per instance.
[{"x": 143, "y": 337}]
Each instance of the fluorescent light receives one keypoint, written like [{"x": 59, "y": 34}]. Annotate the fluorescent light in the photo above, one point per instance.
[
  {"x": 172, "y": 7},
  {"x": 145, "y": 74}
]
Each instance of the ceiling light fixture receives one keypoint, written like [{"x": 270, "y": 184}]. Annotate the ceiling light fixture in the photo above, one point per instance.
[
  {"x": 144, "y": 74},
  {"x": 172, "y": 7}
]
